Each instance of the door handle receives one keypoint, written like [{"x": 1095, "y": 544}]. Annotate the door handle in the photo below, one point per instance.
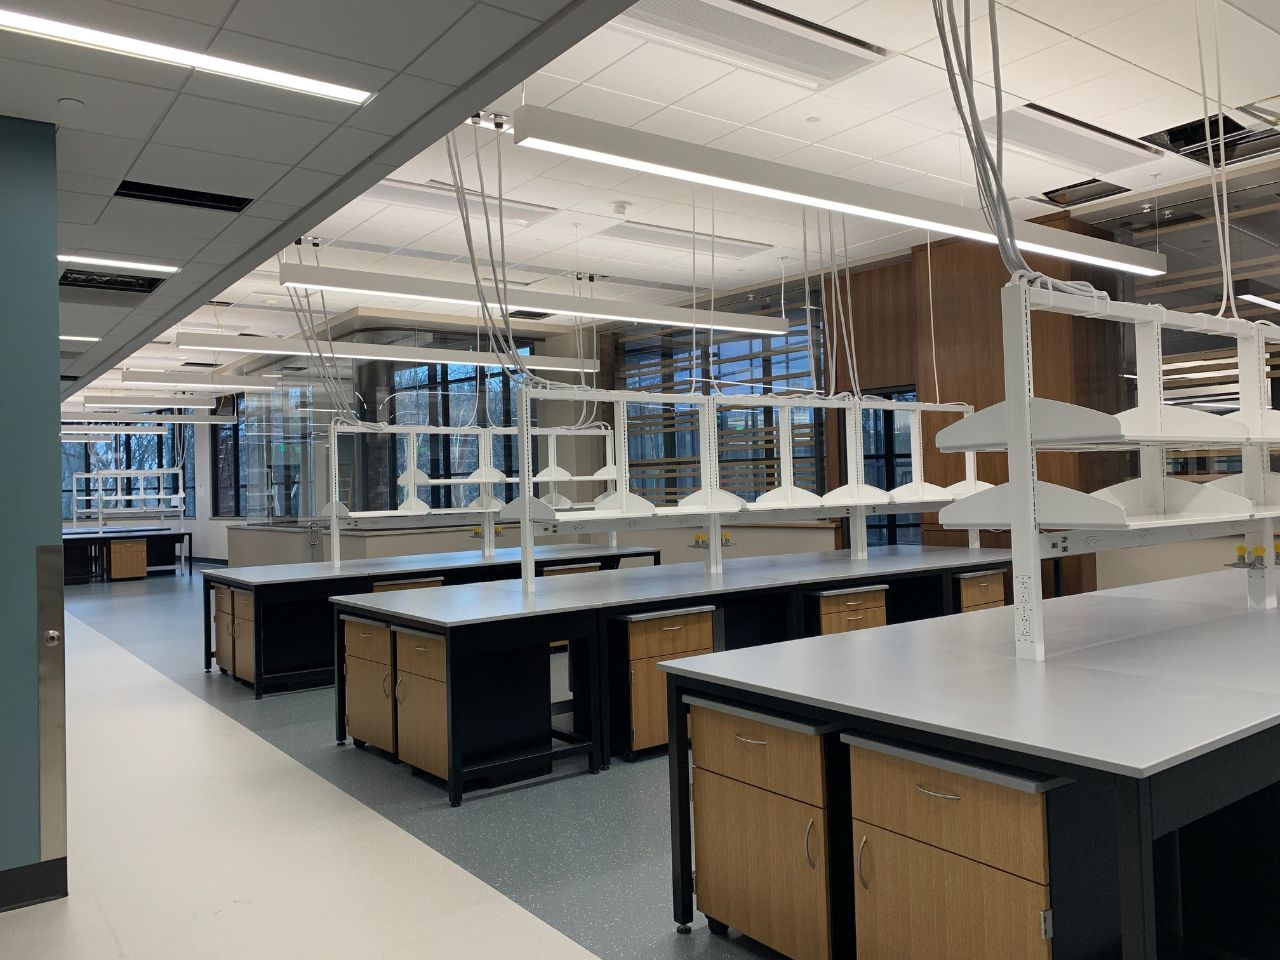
[
  {"x": 857, "y": 865},
  {"x": 399, "y": 699},
  {"x": 937, "y": 796},
  {"x": 807, "y": 855},
  {"x": 386, "y": 679}
]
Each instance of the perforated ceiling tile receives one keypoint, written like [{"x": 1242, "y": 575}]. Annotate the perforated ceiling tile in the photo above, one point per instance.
[
  {"x": 238, "y": 130},
  {"x": 460, "y": 53},
  {"x": 198, "y": 170},
  {"x": 114, "y": 107},
  {"x": 743, "y": 97},
  {"x": 588, "y": 57}
]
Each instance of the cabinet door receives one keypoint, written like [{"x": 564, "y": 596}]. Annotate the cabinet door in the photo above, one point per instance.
[
  {"x": 223, "y": 642},
  {"x": 370, "y": 716},
  {"x": 245, "y": 640},
  {"x": 913, "y": 900},
  {"x": 422, "y": 715},
  {"x": 649, "y": 700},
  {"x": 761, "y": 865}
]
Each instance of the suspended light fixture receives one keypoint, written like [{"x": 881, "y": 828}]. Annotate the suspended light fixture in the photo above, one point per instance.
[
  {"x": 197, "y": 381},
  {"x": 107, "y": 401},
  {"x": 570, "y": 136}
]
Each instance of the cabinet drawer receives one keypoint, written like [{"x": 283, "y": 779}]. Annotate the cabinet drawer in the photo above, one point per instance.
[
  {"x": 393, "y": 585},
  {"x": 914, "y": 900},
  {"x": 242, "y": 604},
  {"x": 982, "y": 606},
  {"x": 762, "y": 865},
  {"x": 993, "y": 824},
  {"x": 976, "y": 589},
  {"x": 664, "y": 636},
  {"x": 851, "y": 601},
  {"x": 222, "y": 599},
  {"x": 571, "y": 569},
  {"x": 853, "y": 619},
  {"x": 368, "y": 641},
  {"x": 420, "y": 654},
  {"x": 757, "y": 752}
]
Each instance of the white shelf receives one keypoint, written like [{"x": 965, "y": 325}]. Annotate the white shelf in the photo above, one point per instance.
[
  {"x": 1120, "y": 507},
  {"x": 856, "y": 495},
  {"x": 1267, "y": 506},
  {"x": 1066, "y": 426},
  {"x": 783, "y": 497},
  {"x": 920, "y": 491}
]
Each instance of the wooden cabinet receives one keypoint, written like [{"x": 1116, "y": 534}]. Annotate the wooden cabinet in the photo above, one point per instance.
[
  {"x": 128, "y": 559},
  {"x": 422, "y": 702},
  {"x": 761, "y": 865},
  {"x": 760, "y": 829},
  {"x": 651, "y": 639},
  {"x": 950, "y": 857},
  {"x": 243, "y": 635},
  {"x": 369, "y": 641},
  {"x": 844, "y": 620},
  {"x": 370, "y": 708},
  {"x": 390, "y": 586},
  {"x": 914, "y": 900},
  {"x": 855, "y": 608},
  {"x": 981, "y": 589},
  {"x": 223, "y": 639}
]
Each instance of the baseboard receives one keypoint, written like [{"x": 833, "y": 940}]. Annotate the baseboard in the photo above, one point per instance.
[
  {"x": 34, "y": 883},
  {"x": 209, "y": 561}
]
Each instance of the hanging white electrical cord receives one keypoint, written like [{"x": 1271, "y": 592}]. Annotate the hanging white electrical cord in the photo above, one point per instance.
[
  {"x": 808, "y": 305},
  {"x": 694, "y": 371},
  {"x": 711, "y": 330},
  {"x": 933, "y": 335},
  {"x": 843, "y": 308},
  {"x": 1218, "y": 166}
]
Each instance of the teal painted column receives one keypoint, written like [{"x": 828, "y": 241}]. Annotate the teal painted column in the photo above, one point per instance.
[{"x": 29, "y": 486}]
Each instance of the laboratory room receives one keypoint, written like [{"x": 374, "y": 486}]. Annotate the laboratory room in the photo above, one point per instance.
[{"x": 655, "y": 480}]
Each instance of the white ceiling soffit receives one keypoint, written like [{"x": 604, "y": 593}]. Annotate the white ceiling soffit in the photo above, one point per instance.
[
  {"x": 632, "y": 149},
  {"x": 434, "y": 81},
  {"x": 683, "y": 240},
  {"x": 759, "y": 40},
  {"x": 394, "y": 285},
  {"x": 442, "y": 198},
  {"x": 1060, "y": 140}
]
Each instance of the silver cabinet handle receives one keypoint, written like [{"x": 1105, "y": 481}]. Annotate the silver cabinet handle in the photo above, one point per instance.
[
  {"x": 807, "y": 855},
  {"x": 857, "y": 866},
  {"x": 420, "y": 649},
  {"x": 678, "y": 626},
  {"x": 759, "y": 743},
  {"x": 853, "y": 603},
  {"x": 936, "y": 796},
  {"x": 386, "y": 679},
  {"x": 858, "y": 617},
  {"x": 399, "y": 699}
]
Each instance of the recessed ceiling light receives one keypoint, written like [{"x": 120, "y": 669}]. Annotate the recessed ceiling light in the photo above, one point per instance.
[
  {"x": 67, "y": 336},
  {"x": 70, "y": 103},
  {"x": 812, "y": 119},
  {"x": 142, "y": 49},
  {"x": 119, "y": 264}
]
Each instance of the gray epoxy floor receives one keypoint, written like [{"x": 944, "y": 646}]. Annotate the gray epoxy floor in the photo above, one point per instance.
[{"x": 587, "y": 854}]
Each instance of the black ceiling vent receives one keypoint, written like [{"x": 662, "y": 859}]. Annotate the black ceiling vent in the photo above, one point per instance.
[
  {"x": 1083, "y": 192},
  {"x": 68, "y": 378},
  {"x": 134, "y": 190},
  {"x": 528, "y": 315},
  {"x": 219, "y": 303},
  {"x": 1242, "y": 143},
  {"x": 122, "y": 282},
  {"x": 198, "y": 363}
]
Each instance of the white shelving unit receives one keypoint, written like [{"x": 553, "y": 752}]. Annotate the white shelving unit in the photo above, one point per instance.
[
  {"x": 91, "y": 499},
  {"x": 1150, "y": 508}
]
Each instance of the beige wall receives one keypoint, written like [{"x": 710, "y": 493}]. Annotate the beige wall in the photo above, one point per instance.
[{"x": 1120, "y": 568}]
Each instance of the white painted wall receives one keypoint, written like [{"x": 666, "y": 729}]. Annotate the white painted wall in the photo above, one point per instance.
[
  {"x": 1120, "y": 568},
  {"x": 208, "y": 535}
]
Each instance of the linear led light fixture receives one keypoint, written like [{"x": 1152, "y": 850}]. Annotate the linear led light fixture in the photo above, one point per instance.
[
  {"x": 308, "y": 277},
  {"x": 197, "y": 381},
  {"x": 105, "y": 401},
  {"x": 344, "y": 350},
  {"x": 1258, "y": 293},
  {"x": 67, "y": 336},
  {"x": 81, "y": 416},
  {"x": 570, "y": 136},
  {"x": 118, "y": 264},
  {"x": 154, "y": 431},
  {"x": 144, "y": 50}
]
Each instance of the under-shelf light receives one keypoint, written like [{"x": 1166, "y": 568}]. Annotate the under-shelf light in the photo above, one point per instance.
[
  {"x": 83, "y": 416},
  {"x": 153, "y": 431},
  {"x": 117, "y": 264},
  {"x": 196, "y": 381},
  {"x": 346, "y": 350},
  {"x": 78, "y": 339},
  {"x": 106, "y": 401},
  {"x": 308, "y": 277},
  {"x": 144, "y": 50},
  {"x": 571, "y": 136}
]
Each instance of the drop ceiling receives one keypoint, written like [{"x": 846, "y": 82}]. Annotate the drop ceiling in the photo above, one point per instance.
[{"x": 1127, "y": 67}]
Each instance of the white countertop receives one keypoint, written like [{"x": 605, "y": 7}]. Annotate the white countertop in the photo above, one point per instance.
[
  {"x": 1137, "y": 679},
  {"x": 426, "y": 563},
  {"x": 463, "y": 604}
]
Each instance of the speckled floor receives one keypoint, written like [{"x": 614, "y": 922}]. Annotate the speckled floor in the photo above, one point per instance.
[{"x": 586, "y": 854}]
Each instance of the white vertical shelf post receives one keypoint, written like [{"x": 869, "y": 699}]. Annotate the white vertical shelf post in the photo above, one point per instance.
[
  {"x": 335, "y": 548},
  {"x": 1255, "y": 457},
  {"x": 1015, "y": 310},
  {"x": 710, "y": 476},
  {"x": 971, "y": 475},
  {"x": 488, "y": 543},
  {"x": 1150, "y": 372},
  {"x": 524, "y": 405},
  {"x": 855, "y": 468}
]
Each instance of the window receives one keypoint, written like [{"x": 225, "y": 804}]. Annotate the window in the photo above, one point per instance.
[
  {"x": 227, "y": 463},
  {"x": 886, "y": 446},
  {"x": 663, "y": 438},
  {"x": 136, "y": 451}
]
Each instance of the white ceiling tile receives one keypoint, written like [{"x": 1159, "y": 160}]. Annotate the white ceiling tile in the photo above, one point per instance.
[
  {"x": 221, "y": 252},
  {"x": 1020, "y": 36},
  {"x": 399, "y": 104},
  {"x": 247, "y": 229},
  {"x": 1172, "y": 109},
  {"x": 204, "y": 11},
  {"x": 272, "y": 211},
  {"x": 84, "y": 183},
  {"x": 395, "y": 237},
  {"x": 80, "y": 207},
  {"x": 756, "y": 143},
  {"x": 1080, "y": 16},
  {"x": 608, "y": 106},
  {"x": 538, "y": 91},
  {"x": 197, "y": 170},
  {"x": 98, "y": 154},
  {"x": 685, "y": 125},
  {"x": 1250, "y": 58},
  {"x": 588, "y": 57},
  {"x": 123, "y": 18},
  {"x": 298, "y": 187},
  {"x": 1058, "y": 68},
  {"x": 658, "y": 72},
  {"x": 1179, "y": 66},
  {"x": 658, "y": 188},
  {"x": 939, "y": 188},
  {"x": 821, "y": 159},
  {"x": 892, "y": 24},
  {"x": 587, "y": 174},
  {"x": 238, "y": 130},
  {"x": 111, "y": 106},
  {"x": 94, "y": 63},
  {"x": 460, "y": 53},
  {"x": 946, "y": 155},
  {"x": 815, "y": 11},
  {"x": 814, "y": 118},
  {"x": 743, "y": 96},
  {"x": 1093, "y": 99},
  {"x": 880, "y": 136},
  {"x": 894, "y": 83},
  {"x": 1149, "y": 31},
  {"x": 879, "y": 174},
  {"x": 344, "y": 150},
  {"x": 383, "y": 32}
]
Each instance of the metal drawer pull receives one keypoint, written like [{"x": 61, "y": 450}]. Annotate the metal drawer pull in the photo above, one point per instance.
[
  {"x": 807, "y": 855},
  {"x": 421, "y": 649},
  {"x": 758, "y": 743},
  {"x": 678, "y": 626},
  {"x": 858, "y": 617},
  {"x": 862, "y": 877},
  {"x": 936, "y": 796},
  {"x": 385, "y": 680},
  {"x": 853, "y": 603},
  {"x": 399, "y": 699}
]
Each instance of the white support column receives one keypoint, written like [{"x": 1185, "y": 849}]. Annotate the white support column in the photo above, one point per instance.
[
  {"x": 488, "y": 543},
  {"x": 335, "y": 548},
  {"x": 524, "y": 411},
  {"x": 710, "y": 475},
  {"x": 1149, "y": 368},
  {"x": 855, "y": 468},
  {"x": 971, "y": 475},
  {"x": 1255, "y": 462},
  {"x": 1015, "y": 308}
]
